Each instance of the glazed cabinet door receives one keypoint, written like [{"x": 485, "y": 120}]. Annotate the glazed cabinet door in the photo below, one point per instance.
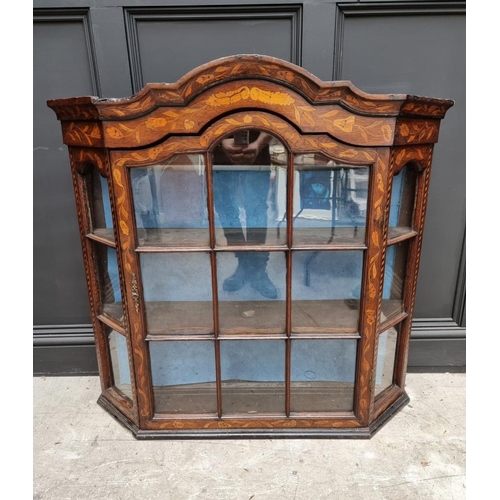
[{"x": 249, "y": 263}]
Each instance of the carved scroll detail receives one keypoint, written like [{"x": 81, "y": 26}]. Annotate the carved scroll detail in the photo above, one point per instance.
[{"x": 135, "y": 292}]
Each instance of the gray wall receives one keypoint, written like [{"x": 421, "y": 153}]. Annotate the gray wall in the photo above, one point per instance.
[{"x": 111, "y": 48}]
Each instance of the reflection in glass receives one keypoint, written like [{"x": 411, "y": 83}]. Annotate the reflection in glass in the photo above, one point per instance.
[
  {"x": 252, "y": 292},
  {"x": 394, "y": 279},
  {"x": 330, "y": 201},
  {"x": 102, "y": 222},
  {"x": 404, "y": 187},
  {"x": 170, "y": 202},
  {"x": 387, "y": 343},
  {"x": 177, "y": 292},
  {"x": 322, "y": 375},
  {"x": 246, "y": 166},
  {"x": 109, "y": 281},
  {"x": 183, "y": 377},
  {"x": 326, "y": 288},
  {"x": 253, "y": 376},
  {"x": 120, "y": 368}
]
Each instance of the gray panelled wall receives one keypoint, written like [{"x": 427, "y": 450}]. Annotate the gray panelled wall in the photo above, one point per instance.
[{"x": 110, "y": 48}]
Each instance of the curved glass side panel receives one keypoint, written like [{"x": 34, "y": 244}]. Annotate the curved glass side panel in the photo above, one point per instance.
[
  {"x": 394, "y": 279},
  {"x": 322, "y": 375},
  {"x": 100, "y": 205},
  {"x": 183, "y": 377},
  {"x": 170, "y": 202},
  {"x": 329, "y": 201},
  {"x": 109, "y": 282},
  {"x": 249, "y": 187},
  {"x": 177, "y": 292},
  {"x": 403, "y": 197},
  {"x": 387, "y": 344},
  {"x": 120, "y": 368},
  {"x": 326, "y": 288}
]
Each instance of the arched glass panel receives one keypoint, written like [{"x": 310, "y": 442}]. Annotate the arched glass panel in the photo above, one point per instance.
[{"x": 249, "y": 189}]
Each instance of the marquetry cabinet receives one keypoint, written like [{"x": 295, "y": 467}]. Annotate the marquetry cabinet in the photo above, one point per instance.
[{"x": 251, "y": 237}]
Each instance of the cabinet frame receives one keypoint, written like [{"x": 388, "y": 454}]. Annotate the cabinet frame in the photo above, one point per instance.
[{"x": 382, "y": 132}]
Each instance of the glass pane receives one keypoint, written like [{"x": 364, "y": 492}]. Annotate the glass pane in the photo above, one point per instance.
[
  {"x": 109, "y": 282},
  {"x": 252, "y": 292},
  {"x": 326, "y": 288},
  {"x": 404, "y": 187},
  {"x": 249, "y": 184},
  {"x": 102, "y": 222},
  {"x": 394, "y": 279},
  {"x": 322, "y": 374},
  {"x": 387, "y": 343},
  {"x": 253, "y": 376},
  {"x": 330, "y": 201},
  {"x": 170, "y": 202},
  {"x": 120, "y": 368},
  {"x": 177, "y": 292},
  {"x": 183, "y": 377}
]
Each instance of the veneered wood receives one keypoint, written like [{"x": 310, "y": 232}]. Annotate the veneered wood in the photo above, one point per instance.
[
  {"x": 335, "y": 119},
  {"x": 247, "y": 317}
]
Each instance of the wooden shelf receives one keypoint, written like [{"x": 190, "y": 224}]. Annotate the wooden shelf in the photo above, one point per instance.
[
  {"x": 176, "y": 239},
  {"x": 324, "y": 316},
  {"x": 252, "y": 317},
  {"x": 338, "y": 236},
  {"x": 186, "y": 398},
  {"x": 398, "y": 234},
  {"x": 172, "y": 237},
  {"x": 153, "y": 239},
  {"x": 105, "y": 236},
  {"x": 266, "y": 317},
  {"x": 112, "y": 322},
  {"x": 179, "y": 318},
  {"x": 258, "y": 236},
  {"x": 248, "y": 397},
  {"x": 321, "y": 396},
  {"x": 113, "y": 311},
  {"x": 390, "y": 310}
]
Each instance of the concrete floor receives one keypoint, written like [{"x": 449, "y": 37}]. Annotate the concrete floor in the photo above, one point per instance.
[{"x": 82, "y": 452}]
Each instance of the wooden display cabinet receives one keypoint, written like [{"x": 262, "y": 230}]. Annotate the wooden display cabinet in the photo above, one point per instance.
[{"x": 251, "y": 238}]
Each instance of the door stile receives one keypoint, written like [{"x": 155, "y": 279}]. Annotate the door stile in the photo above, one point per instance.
[
  {"x": 122, "y": 200},
  {"x": 373, "y": 276},
  {"x": 215, "y": 293}
]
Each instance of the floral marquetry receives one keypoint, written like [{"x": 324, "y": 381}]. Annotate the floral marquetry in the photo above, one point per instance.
[{"x": 251, "y": 238}]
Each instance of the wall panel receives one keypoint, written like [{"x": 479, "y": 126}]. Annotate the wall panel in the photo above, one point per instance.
[
  {"x": 418, "y": 48},
  {"x": 164, "y": 44},
  {"x": 113, "y": 47},
  {"x": 63, "y": 66}
]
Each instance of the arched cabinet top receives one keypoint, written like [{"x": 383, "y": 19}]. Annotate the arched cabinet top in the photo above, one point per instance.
[{"x": 252, "y": 83}]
